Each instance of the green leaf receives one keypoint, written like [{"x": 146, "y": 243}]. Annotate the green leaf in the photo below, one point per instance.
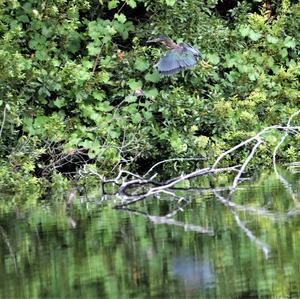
[
  {"x": 130, "y": 99},
  {"x": 98, "y": 95},
  {"x": 104, "y": 106},
  {"x": 244, "y": 31},
  {"x": 177, "y": 144},
  {"x": 131, "y": 3},
  {"x": 141, "y": 64},
  {"x": 121, "y": 18},
  {"x": 60, "y": 102},
  {"x": 136, "y": 118},
  {"x": 151, "y": 93},
  {"x": 289, "y": 42},
  {"x": 113, "y": 4},
  {"x": 152, "y": 77},
  {"x": 272, "y": 39},
  {"x": 255, "y": 36},
  {"x": 147, "y": 115},
  {"x": 213, "y": 58},
  {"x": 270, "y": 138},
  {"x": 92, "y": 49},
  {"x": 283, "y": 52},
  {"x": 170, "y": 2},
  {"x": 253, "y": 75},
  {"x": 133, "y": 84},
  {"x": 103, "y": 77}
]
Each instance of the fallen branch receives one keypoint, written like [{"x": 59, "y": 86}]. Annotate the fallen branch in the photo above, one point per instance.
[
  {"x": 284, "y": 182},
  {"x": 126, "y": 180},
  {"x": 129, "y": 199}
]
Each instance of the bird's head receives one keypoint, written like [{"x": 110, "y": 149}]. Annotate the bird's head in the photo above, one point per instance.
[{"x": 164, "y": 40}]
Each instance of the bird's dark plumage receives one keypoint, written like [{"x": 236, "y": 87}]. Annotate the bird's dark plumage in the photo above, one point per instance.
[{"x": 179, "y": 58}]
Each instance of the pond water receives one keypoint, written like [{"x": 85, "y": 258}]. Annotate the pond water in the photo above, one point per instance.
[{"x": 203, "y": 249}]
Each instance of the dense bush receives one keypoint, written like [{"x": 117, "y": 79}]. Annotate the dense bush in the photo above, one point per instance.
[{"x": 69, "y": 69}]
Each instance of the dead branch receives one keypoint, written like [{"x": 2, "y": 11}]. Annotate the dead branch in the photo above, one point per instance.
[
  {"x": 129, "y": 199},
  {"x": 127, "y": 181},
  {"x": 171, "y": 160},
  {"x": 284, "y": 182}
]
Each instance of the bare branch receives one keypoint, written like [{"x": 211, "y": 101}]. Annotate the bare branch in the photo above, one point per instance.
[
  {"x": 171, "y": 160},
  {"x": 129, "y": 199},
  {"x": 3, "y": 119},
  {"x": 284, "y": 182},
  {"x": 243, "y": 168}
]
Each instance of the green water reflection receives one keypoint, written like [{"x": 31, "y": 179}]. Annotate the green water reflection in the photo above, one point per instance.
[{"x": 90, "y": 250}]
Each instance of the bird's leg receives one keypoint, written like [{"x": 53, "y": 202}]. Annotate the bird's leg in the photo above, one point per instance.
[{"x": 205, "y": 64}]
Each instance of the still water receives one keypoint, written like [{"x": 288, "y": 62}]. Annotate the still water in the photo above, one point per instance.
[{"x": 203, "y": 249}]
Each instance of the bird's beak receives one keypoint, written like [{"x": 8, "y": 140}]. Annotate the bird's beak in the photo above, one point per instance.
[{"x": 155, "y": 40}]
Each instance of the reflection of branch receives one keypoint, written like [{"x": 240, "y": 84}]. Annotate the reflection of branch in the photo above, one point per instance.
[
  {"x": 288, "y": 187},
  {"x": 294, "y": 167},
  {"x": 230, "y": 204},
  {"x": 126, "y": 181},
  {"x": 187, "y": 227},
  {"x": 6, "y": 240},
  {"x": 250, "y": 235},
  {"x": 241, "y": 225},
  {"x": 169, "y": 221}
]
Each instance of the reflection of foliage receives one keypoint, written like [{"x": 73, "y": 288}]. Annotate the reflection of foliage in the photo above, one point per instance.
[{"x": 101, "y": 252}]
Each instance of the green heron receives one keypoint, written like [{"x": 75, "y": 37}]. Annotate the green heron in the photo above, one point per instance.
[{"x": 179, "y": 57}]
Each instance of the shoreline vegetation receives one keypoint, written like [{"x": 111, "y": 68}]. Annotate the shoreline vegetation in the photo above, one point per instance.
[{"x": 69, "y": 112}]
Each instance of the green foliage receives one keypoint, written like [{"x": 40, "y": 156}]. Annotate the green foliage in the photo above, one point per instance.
[
  {"x": 69, "y": 70},
  {"x": 20, "y": 186}
]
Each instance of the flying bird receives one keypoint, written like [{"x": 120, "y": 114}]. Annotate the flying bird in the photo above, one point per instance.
[{"x": 179, "y": 57}]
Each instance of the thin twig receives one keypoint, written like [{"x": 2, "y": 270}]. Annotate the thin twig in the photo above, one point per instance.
[
  {"x": 120, "y": 9},
  {"x": 3, "y": 120},
  {"x": 242, "y": 169},
  {"x": 97, "y": 59},
  {"x": 245, "y": 142},
  {"x": 171, "y": 160}
]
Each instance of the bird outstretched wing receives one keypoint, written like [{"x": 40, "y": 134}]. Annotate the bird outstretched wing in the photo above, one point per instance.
[{"x": 177, "y": 60}]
